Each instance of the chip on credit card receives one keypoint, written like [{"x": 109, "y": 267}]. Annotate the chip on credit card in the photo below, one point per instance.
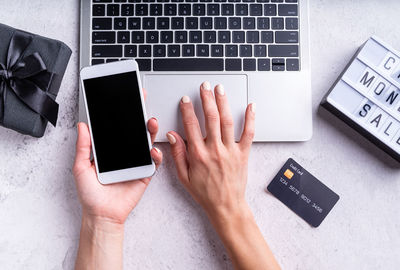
[{"x": 303, "y": 193}]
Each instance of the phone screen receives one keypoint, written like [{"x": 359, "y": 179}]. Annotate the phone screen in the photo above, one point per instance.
[{"x": 117, "y": 120}]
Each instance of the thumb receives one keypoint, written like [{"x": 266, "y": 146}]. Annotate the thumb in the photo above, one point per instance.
[
  {"x": 178, "y": 150},
  {"x": 83, "y": 148}
]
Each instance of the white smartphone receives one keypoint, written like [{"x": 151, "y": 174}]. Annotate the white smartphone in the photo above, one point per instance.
[{"x": 117, "y": 121}]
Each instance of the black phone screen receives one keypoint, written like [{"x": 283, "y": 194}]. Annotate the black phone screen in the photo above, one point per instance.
[{"x": 117, "y": 120}]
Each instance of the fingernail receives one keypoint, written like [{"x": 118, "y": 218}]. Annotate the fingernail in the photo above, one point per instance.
[
  {"x": 253, "y": 107},
  {"x": 158, "y": 150},
  {"x": 171, "y": 138},
  {"x": 220, "y": 89},
  {"x": 185, "y": 99},
  {"x": 154, "y": 119},
  {"x": 206, "y": 86}
]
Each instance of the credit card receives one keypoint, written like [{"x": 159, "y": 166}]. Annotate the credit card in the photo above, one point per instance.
[{"x": 303, "y": 193}]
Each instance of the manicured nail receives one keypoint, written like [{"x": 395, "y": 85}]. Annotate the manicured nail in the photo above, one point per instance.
[
  {"x": 171, "y": 138},
  {"x": 185, "y": 99},
  {"x": 158, "y": 150},
  {"x": 206, "y": 86},
  {"x": 220, "y": 89},
  {"x": 154, "y": 119},
  {"x": 253, "y": 107}
]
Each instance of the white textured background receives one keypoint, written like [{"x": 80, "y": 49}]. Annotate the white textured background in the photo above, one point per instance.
[{"x": 40, "y": 214}]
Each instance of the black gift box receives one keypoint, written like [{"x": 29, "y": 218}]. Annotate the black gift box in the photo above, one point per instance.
[{"x": 31, "y": 71}]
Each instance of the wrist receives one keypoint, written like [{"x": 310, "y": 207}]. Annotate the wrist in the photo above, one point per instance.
[{"x": 101, "y": 224}]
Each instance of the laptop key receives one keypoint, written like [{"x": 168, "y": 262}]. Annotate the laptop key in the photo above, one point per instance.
[
  {"x": 144, "y": 64},
  {"x": 130, "y": 51},
  {"x": 103, "y": 37},
  {"x": 142, "y": 10},
  {"x": 292, "y": 23},
  {"x": 137, "y": 37},
  {"x": 195, "y": 37},
  {"x": 267, "y": 37},
  {"x": 127, "y": 10},
  {"x": 205, "y": 23},
  {"x": 224, "y": 37},
  {"x": 213, "y": 9},
  {"x": 177, "y": 23},
  {"x": 102, "y": 24},
  {"x": 252, "y": 37},
  {"x": 188, "y": 50},
  {"x": 155, "y": 10},
  {"x": 277, "y": 23},
  {"x": 249, "y": 23},
  {"x": 241, "y": 10},
  {"x": 245, "y": 51},
  {"x": 287, "y": 37},
  {"x": 107, "y": 51},
  {"x": 235, "y": 23},
  {"x": 263, "y": 64},
  {"x": 249, "y": 64},
  {"x": 188, "y": 64},
  {"x": 159, "y": 51},
  {"x": 238, "y": 37},
  {"x": 269, "y": 10},
  {"x": 185, "y": 9},
  {"x": 181, "y": 37},
  {"x": 123, "y": 37},
  {"x": 217, "y": 51},
  {"x": 220, "y": 23},
  {"x": 202, "y": 50},
  {"x": 152, "y": 37},
  {"x": 227, "y": 9},
  {"x": 278, "y": 64},
  {"x": 166, "y": 36},
  {"x": 210, "y": 37},
  {"x": 113, "y": 10},
  {"x": 199, "y": 9},
  {"x": 149, "y": 23},
  {"x": 260, "y": 50},
  {"x": 262, "y": 23},
  {"x": 192, "y": 23},
  {"x": 170, "y": 9},
  {"x": 134, "y": 23},
  {"x": 174, "y": 51},
  {"x": 287, "y": 10},
  {"x": 99, "y": 10},
  {"x": 292, "y": 65},
  {"x": 256, "y": 10},
  {"x": 231, "y": 50},
  {"x": 119, "y": 23},
  {"x": 162, "y": 23},
  {"x": 97, "y": 61},
  {"x": 112, "y": 60},
  {"x": 144, "y": 51},
  {"x": 233, "y": 64},
  {"x": 283, "y": 50}
]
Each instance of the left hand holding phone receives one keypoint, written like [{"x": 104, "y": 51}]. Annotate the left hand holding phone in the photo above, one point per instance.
[{"x": 114, "y": 202}]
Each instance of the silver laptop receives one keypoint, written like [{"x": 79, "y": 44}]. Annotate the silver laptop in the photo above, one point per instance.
[{"x": 258, "y": 49}]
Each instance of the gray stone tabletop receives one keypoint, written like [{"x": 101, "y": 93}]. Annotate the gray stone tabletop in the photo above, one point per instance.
[{"x": 40, "y": 213}]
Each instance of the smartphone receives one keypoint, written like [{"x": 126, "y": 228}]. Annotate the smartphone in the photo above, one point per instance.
[{"x": 117, "y": 121}]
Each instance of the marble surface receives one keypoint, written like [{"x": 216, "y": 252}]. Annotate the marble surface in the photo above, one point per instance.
[{"x": 40, "y": 213}]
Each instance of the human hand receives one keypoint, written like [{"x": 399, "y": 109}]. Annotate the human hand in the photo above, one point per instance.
[
  {"x": 214, "y": 169},
  {"x": 113, "y": 202}
]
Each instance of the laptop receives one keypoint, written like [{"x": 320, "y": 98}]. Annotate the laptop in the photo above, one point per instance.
[{"x": 258, "y": 49}]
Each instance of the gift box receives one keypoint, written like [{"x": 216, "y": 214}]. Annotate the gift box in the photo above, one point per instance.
[{"x": 31, "y": 71}]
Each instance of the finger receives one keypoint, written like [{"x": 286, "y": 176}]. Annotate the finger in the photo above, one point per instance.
[
  {"x": 83, "y": 148},
  {"x": 190, "y": 122},
  {"x": 227, "y": 131},
  {"x": 249, "y": 127},
  {"x": 178, "y": 151},
  {"x": 211, "y": 114},
  {"x": 152, "y": 127},
  {"x": 157, "y": 156}
]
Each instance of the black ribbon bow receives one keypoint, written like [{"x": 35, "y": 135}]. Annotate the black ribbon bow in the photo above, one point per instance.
[{"x": 28, "y": 78}]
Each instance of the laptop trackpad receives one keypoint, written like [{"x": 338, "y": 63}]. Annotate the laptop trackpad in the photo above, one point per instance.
[{"x": 164, "y": 93}]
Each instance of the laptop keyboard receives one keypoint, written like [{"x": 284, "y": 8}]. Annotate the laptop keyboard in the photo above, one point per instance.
[{"x": 197, "y": 35}]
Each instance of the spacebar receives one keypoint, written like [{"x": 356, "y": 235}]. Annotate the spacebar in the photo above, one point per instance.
[{"x": 185, "y": 64}]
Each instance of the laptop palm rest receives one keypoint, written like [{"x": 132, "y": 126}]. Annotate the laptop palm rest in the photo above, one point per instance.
[{"x": 164, "y": 93}]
